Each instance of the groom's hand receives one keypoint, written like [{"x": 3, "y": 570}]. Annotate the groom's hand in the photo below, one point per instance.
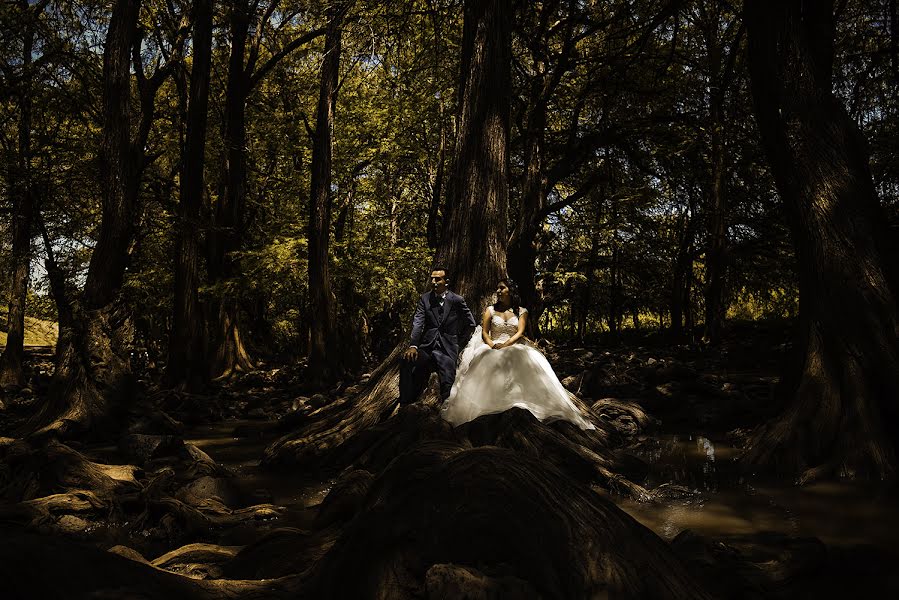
[{"x": 411, "y": 354}]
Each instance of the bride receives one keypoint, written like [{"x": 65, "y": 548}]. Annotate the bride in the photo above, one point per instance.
[{"x": 499, "y": 370}]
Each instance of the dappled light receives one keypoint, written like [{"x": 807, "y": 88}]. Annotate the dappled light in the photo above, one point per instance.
[{"x": 437, "y": 299}]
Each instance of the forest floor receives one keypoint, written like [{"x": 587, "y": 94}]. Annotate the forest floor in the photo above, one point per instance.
[{"x": 827, "y": 539}]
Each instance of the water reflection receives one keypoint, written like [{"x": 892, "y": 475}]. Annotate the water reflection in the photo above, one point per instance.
[
  {"x": 716, "y": 500},
  {"x": 294, "y": 490},
  {"x": 721, "y": 502}
]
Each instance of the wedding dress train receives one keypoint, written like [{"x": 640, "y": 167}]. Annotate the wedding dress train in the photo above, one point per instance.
[{"x": 492, "y": 381}]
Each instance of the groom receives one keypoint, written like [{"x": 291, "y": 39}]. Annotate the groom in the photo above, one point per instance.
[{"x": 442, "y": 320}]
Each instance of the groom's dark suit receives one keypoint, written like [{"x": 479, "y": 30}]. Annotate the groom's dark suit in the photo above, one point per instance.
[{"x": 438, "y": 327}]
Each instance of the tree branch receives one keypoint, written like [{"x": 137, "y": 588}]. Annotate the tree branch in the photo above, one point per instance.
[
  {"x": 268, "y": 65},
  {"x": 585, "y": 189}
]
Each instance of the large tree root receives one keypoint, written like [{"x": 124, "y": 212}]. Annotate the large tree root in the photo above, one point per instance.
[
  {"x": 840, "y": 419},
  {"x": 46, "y": 567},
  {"x": 334, "y": 424},
  {"x": 581, "y": 454},
  {"x": 503, "y": 513},
  {"x": 55, "y": 489}
]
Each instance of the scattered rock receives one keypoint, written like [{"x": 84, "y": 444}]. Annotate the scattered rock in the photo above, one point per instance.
[
  {"x": 573, "y": 383},
  {"x": 140, "y": 448},
  {"x": 668, "y": 390},
  {"x": 318, "y": 401},
  {"x": 627, "y": 417},
  {"x": 157, "y": 423},
  {"x": 209, "y": 487},
  {"x": 202, "y": 464},
  {"x": 257, "y": 413},
  {"x": 72, "y": 525}
]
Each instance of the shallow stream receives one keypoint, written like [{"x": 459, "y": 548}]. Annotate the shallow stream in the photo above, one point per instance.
[{"x": 720, "y": 501}]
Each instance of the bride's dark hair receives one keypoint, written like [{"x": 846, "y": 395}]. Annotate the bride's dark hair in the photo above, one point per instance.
[{"x": 514, "y": 297}]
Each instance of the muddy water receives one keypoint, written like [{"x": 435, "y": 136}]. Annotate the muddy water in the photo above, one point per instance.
[
  {"x": 295, "y": 490},
  {"x": 724, "y": 502},
  {"x": 720, "y": 501}
]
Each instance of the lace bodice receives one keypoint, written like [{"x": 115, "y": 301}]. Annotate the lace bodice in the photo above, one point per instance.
[{"x": 502, "y": 329}]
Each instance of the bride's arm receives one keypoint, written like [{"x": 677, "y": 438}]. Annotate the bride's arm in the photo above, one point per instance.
[
  {"x": 522, "y": 323},
  {"x": 485, "y": 327}
]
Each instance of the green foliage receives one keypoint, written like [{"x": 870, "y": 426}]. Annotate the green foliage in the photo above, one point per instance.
[{"x": 627, "y": 133}]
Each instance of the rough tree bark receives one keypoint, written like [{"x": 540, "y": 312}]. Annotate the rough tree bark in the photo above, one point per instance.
[
  {"x": 716, "y": 200},
  {"x": 682, "y": 279},
  {"x": 479, "y": 193},
  {"x": 841, "y": 415},
  {"x": 488, "y": 523},
  {"x": 325, "y": 358},
  {"x": 92, "y": 364},
  {"x": 227, "y": 352},
  {"x": 186, "y": 365},
  {"x": 721, "y": 59},
  {"x": 23, "y": 211}
]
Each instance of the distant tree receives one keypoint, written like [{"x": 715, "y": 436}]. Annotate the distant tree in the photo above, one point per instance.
[
  {"x": 20, "y": 185},
  {"x": 325, "y": 356},
  {"x": 186, "y": 364},
  {"x": 246, "y": 71}
]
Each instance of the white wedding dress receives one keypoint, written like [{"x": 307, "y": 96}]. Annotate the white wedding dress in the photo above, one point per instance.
[{"x": 492, "y": 381}]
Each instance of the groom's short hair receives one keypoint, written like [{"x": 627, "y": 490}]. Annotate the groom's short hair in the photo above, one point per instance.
[{"x": 446, "y": 273}]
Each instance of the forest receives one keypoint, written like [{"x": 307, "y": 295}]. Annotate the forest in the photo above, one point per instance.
[{"x": 229, "y": 368}]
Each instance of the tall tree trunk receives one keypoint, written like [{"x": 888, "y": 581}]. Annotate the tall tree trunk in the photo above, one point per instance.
[
  {"x": 92, "y": 361},
  {"x": 473, "y": 244},
  {"x": 587, "y": 291},
  {"x": 549, "y": 66},
  {"x": 324, "y": 351},
  {"x": 227, "y": 353},
  {"x": 437, "y": 187},
  {"x": 614, "y": 289},
  {"x": 683, "y": 276},
  {"x": 522, "y": 245},
  {"x": 715, "y": 263},
  {"x": 894, "y": 41},
  {"x": 186, "y": 366},
  {"x": 117, "y": 162},
  {"x": 716, "y": 198},
  {"x": 841, "y": 416},
  {"x": 23, "y": 210}
]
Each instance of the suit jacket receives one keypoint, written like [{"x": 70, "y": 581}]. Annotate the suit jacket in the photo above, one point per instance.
[{"x": 436, "y": 327}]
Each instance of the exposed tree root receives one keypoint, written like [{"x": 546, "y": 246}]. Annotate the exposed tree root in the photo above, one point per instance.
[
  {"x": 334, "y": 424},
  {"x": 198, "y": 561},
  {"x": 504, "y": 513},
  {"x": 840, "y": 419},
  {"x": 48, "y": 567}
]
